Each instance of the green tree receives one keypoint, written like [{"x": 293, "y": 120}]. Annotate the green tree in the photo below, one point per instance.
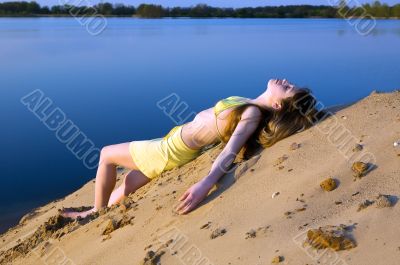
[
  {"x": 395, "y": 11},
  {"x": 150, "y": 11},
  {"x": 33, "y": 8},
  {"x": 104, "y": 8}
]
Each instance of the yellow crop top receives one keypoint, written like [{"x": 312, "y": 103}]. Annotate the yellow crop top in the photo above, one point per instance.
[{"x": 227, "y": 103}]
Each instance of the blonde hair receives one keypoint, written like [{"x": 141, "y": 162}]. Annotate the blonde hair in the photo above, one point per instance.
[{"x": 297, "y": 113}]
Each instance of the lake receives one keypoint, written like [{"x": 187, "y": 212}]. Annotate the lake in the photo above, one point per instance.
[{"x": 108, "y": 84}]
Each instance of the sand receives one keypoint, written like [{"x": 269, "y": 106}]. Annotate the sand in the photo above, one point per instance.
[{"x": 240, "y": 222}]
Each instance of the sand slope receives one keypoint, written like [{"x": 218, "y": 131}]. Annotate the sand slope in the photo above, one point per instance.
[{"x": 240, "y": 223}]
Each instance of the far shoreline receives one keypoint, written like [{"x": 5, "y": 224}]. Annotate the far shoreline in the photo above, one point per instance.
[{"x": 200, "y": 18}]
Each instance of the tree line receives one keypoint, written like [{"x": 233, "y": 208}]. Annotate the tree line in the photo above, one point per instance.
[{"x": 32, "y": 8}]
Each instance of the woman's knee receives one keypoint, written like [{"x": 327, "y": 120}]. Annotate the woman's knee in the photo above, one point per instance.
[
  {"x": 133, "y": 181},
  {"x": 106, "y": 154},
  {"x": 117, "y": 155}
]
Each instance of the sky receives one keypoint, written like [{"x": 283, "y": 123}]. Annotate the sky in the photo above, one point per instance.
[{"x": 219, "y": 3}]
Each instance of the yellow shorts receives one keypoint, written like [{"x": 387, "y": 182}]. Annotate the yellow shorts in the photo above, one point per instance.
[{"x": 155, "y": 156}]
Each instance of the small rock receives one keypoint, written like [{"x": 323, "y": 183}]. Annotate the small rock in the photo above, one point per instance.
[
  {"x": 218, "y": 232},
  {"x": 277, "y": 259},
  {"x": 206, "y": 225},
  {"x": 364, "y": 205},
  {"x": 333, "y": 237},
  {"x": 360, "y": 169},
  {"x": 280, "y": 160},
  {"x": 357, "y": 148},
  {"x": 251, "y": 234},
  {"x": 294, "y": 146},
  {"x": 383, "y": 201},
  {"x": 329, "y": 184},
  {"x": 152, "y": 258},
  {"x": 397, "y": 143},
  {"x": 275, "y": 194}
]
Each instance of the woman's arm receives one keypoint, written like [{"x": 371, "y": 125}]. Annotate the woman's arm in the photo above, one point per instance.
[{"x": 246, "y": 126}]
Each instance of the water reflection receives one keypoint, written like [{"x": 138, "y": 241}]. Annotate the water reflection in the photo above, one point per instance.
[{"x": 378, "y": 30}]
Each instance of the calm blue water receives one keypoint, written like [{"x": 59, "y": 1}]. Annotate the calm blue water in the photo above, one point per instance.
[{"x": 108, "y": 85}]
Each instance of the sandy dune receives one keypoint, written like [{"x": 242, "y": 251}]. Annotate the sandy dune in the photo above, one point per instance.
[{"x": 240, "y": 222}]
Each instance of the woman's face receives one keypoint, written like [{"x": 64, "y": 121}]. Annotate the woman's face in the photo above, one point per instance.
[{"x": 280, "y": 89}]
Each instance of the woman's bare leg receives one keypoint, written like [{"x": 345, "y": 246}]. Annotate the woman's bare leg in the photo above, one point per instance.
[
  {"x": 132, "y": 181},
  {"x": 110, "y": 157}
]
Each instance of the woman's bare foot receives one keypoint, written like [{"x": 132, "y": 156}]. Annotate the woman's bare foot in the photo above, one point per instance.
[{"x": 71, "y": 213}]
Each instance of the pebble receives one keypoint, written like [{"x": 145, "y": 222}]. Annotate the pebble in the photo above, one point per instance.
[
  {"x": 294, "y": 146},
  {"x": 277, "y": 259},
  {"x": 397, "y": 143},
  {"x": 218, "y": 232},
  {"x": 330, "y": 236},
  {"x": 364, "y": 205},
  {"x": 328, "y": 184},
  {"x": 251, "y": 234},
  {"x": 360, "y": 169},
  {"x": 275, "y": 194},
  {"x": 383, "y": 201},
  {"x": 357, "y": 148}
]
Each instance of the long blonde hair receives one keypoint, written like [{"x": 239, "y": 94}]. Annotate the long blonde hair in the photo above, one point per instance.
[{"x": 296, "y": 114}]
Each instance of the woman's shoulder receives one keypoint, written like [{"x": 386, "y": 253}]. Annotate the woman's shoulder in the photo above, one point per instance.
[
  {"x": 251, "y": 111},
  {"x": 232, "y": 99},
  {"x": 236, "y": 98},
  {"x": 229, "y": 102}
]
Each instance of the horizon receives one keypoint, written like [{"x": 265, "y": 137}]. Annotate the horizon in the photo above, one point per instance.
[{"x": 214, "y": 3}]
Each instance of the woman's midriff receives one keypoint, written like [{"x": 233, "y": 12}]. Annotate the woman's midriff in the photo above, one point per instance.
[{"x": 201, "y": 131}]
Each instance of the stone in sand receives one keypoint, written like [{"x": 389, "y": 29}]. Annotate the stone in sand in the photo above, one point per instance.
[
  {"x": 383, "y": 201},
  {"x": 206, "y": 225},
  {"x": 280, "y": 160},
  {"x": 152, "y": 258},
  {"x": 333, "y": 237},
  {"x": 357, "y": 148},
  {"x": 275, "y": 194},
  {"x": 218, "y": 232},
  {"x": 328, "y": 184},
  {"x": 294, "y": 146},
  {"x": 277, "y": 259},
  {"x": 360, "y": 169},
  {"x": 251, "y": 234},
  {"x": 364, "y": 205}
]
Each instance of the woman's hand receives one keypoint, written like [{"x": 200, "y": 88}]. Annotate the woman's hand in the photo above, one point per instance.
[{"x": 193, "y": 196}]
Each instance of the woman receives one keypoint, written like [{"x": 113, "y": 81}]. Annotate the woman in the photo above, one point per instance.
[{"x": 244, "y": 124}]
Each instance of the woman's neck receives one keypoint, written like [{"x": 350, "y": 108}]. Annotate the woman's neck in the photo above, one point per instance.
[{"x": 264, "y": 101}]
